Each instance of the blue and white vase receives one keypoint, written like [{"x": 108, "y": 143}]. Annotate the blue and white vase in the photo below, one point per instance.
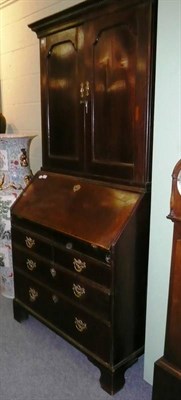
[{"x": 15, "y": 173}]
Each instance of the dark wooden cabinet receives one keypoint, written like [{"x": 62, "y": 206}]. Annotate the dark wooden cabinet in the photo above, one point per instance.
[
  {"x": 96, "y": 90},
  {"x": 80, "y": 230},
  {"x": 167, "y": 373}
]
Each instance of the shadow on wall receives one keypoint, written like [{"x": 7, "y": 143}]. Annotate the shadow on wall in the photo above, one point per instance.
[
  {"x": 0, "y": 96},
  {"x": 10, "y": 128}
]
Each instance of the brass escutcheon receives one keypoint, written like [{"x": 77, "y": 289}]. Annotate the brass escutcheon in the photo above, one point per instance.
[
  {"x": 108, "y": 258},
  {"x": 31, "y": 265},
  {"x": 76, "y": 188},
  {"x": 80, "y": 325},
  {"x": 79, "y": 265},
  {"x": 33, "y": 294},
  {"x": 69, "y": 245},
  {"x": 78, "y": 290},
  {"x": 55, "y": 298},
  {"x": 29, "y": 242},
  {"x": 53, "y": 272}
]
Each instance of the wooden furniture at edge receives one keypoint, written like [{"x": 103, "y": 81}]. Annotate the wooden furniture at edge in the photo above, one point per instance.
[
  {"x": 81, "y": 229},
  {"x": 167, "y": 372}
]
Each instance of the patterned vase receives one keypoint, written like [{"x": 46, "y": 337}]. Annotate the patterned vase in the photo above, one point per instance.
[{"x": 15, "y": 174}]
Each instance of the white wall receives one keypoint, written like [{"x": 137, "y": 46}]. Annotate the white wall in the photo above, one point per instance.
[
  {"x": 20, "y": 67},
  {"x": 20, "y": 87},
  {"x": 167, "y": 151}
]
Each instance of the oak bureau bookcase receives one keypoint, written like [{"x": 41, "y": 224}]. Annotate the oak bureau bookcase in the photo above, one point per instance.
[{"x": 80, "y": 230}]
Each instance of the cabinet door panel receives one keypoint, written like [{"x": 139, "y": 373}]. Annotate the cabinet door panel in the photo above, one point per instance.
[
  {"x": 63, "y": 119},
  {"x": 113, "y": 94},
  {"x": 118, "y": 136}
]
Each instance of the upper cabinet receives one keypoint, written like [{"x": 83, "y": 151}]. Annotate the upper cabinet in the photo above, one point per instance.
[{"x": 97, "y": 76}]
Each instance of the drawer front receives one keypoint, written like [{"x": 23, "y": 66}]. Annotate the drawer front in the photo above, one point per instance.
[
  {"x": 74, "y": 261},
  {"x": 80, "y": 327},
  {"x": 81, "y": 247},
  {"x": 84, "y": 266},
  {"x": 72, "y": 285},
  {"x": 30, "y": 241}
]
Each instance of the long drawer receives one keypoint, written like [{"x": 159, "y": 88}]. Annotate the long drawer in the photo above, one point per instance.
[
  {"x": 87, "y": 331},
  {"x": 72, "y": 285}
]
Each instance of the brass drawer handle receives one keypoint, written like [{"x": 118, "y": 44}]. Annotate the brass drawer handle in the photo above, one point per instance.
[
  {"x": 33, "y": 294},
  {"x": 31, "y": 265},
  {"x": 29, "y": 242},
  {"x": 80, "y": 325},
  {"x": 78, "y": 290},
  {"x": 55, "y": 298},
  {"x": 53, "y": 272},
  {"x": 79, "y": 265}
]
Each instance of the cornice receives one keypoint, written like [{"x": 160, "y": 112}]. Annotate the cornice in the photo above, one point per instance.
[{"x": 6, "y": 3}]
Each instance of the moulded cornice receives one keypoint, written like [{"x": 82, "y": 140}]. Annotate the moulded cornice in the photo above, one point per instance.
[{"x": 5, "y": 3}]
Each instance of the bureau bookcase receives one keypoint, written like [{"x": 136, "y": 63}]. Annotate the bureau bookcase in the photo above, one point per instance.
[{"x": 80, "y": 230}]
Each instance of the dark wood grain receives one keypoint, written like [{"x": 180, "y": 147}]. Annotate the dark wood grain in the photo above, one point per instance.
[
  {"x": 111, "y": 50},
  {"x": 167, "y": 373}
]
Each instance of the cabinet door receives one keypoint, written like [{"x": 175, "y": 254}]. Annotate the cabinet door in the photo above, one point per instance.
[
  {"x": 119, "y": 54},
  {"x": 62, "y": 119}
]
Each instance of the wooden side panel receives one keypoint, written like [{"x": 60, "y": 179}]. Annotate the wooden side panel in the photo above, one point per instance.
[
  {"x": 130, "y": 284},
  {"x": 167, "y": 381},
  {"x": 167, "y": 373},
  {"x": 173, "y": 332}
]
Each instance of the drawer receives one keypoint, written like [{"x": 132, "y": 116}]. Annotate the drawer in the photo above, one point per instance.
[
  {"x": 83, "y": 265},
  {"x": 63, "y": 256},
  {"x": 77, "y": 288},
  {"x": 78, "y": 326},
  {"x": 73, "y": 243},
  {"x": 32, "y": 242}
]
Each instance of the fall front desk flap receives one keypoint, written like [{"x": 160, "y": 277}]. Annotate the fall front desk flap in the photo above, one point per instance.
[{"x": 77, "y": 207}]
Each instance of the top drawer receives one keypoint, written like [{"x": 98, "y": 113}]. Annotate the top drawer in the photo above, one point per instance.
[
  {"x": 83, "y": 265},
  {"x": 32, "y": 242}
]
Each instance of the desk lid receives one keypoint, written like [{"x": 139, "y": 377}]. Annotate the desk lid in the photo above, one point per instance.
[{"x": 86, "y": 210}]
